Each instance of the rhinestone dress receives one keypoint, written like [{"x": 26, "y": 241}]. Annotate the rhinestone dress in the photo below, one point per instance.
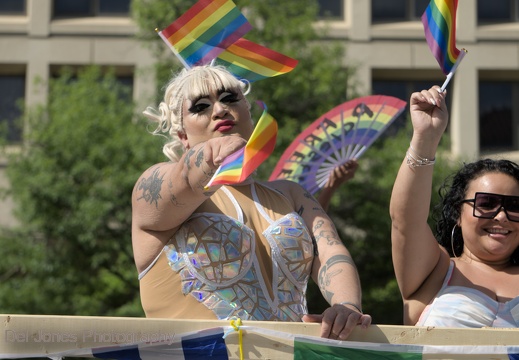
[{"x": 217, "y": 260}]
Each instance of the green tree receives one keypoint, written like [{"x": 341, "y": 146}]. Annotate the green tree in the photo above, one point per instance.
[{"x": 72, "y": 185}]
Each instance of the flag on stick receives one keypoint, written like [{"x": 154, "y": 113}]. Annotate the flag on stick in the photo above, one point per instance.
[
  {"x": 240, "y": 165},
  {"x": 252, "y": 61},
  {"x": 204, "y": 31},
  {"x": 439, "y": 21}
]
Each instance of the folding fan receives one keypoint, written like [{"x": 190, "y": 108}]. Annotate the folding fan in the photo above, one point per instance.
[{"x": 343, "y": 133}]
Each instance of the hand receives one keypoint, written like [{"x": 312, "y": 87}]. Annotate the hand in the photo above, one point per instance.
[
  {"x": 338, "y": 321},
  {"x": 217, "y": 149},
  {"x": 429, "y": 114},
  {"x": 342, "y": 173}
]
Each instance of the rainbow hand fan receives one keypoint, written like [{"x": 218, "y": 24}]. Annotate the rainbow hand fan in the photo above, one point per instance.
[{"x": 343, "y": 133}]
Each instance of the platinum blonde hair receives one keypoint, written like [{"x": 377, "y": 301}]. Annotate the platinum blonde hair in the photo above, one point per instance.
[{"x": 188, "y": 84}]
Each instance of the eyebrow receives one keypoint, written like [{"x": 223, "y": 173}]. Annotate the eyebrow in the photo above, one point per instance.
[{"x": 203, "y": 96}]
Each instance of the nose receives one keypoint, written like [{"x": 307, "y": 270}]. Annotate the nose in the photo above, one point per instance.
[
  {"x": 501, "y": 214},
  {"x": 219, "y": 109}
]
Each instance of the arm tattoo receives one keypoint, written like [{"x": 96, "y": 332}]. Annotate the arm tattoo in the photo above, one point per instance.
[
  {"x": 309, "y": 196},
  {"x": 199, "y": 159},
  {"x": 172, "y": 197},
  {"x": 187, "y": 159},
  {"x": 151, "y": 187},
  {"x": 325, "y": 275},
  {"x": 330, "y": 236}
]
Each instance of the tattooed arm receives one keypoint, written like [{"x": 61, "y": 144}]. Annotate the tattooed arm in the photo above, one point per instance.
[
  {"x": 333, "y": 269},
  {"x": 338, "y": 280},
  {"x": 166, "y": 194}
]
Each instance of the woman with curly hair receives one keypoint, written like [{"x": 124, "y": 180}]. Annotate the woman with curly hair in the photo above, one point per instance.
[{"x": 465, "y": 275}]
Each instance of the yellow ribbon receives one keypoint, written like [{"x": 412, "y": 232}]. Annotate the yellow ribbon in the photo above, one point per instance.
[{"x": 236, "y": 323}]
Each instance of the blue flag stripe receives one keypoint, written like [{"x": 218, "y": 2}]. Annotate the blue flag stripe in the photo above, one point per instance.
[{"x": 201, "y": 348}]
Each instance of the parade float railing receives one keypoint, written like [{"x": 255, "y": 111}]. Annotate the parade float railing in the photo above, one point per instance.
[{"x": 40, "y": 336}]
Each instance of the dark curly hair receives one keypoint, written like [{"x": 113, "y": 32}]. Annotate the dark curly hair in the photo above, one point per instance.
[{"x": 453, "y": 191}]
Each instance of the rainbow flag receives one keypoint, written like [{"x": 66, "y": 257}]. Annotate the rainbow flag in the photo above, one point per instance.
[
  {"x": 439, "y": 21},
  {"x": 251, "y": 61},
  {"x": 313, "y": 348},
  {"x": 238, "y": 166},
  {"x": 204, "y": 31}
]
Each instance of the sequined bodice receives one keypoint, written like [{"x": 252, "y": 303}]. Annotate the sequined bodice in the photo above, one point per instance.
[{"x": 216, "y": 258}]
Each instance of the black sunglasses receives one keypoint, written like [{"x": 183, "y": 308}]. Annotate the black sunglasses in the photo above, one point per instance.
[{"x": 487, "y": 205}]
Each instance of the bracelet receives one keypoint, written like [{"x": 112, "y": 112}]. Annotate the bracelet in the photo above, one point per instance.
[
  {"x": 352, "y": 304},
  {"x": 415, "y": 160}
]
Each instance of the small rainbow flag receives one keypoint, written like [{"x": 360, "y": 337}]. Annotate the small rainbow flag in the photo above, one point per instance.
[
  {"x": 251, "y": 61},
  {"x": 238, "y": 166},
  {"x": 204, "y": 31},
  {"x": 439, "y": 21}
]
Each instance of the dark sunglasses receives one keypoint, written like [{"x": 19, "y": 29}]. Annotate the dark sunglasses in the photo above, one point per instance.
[{"x": 487, "y": 206}]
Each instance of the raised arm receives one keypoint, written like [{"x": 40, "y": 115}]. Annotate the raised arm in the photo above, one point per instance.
[
  {"x": 168, "y": 193},
  {"x": 416, "y": 254}
]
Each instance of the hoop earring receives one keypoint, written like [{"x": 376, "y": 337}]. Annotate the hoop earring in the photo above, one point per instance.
[{"x": 452, "y": 240}]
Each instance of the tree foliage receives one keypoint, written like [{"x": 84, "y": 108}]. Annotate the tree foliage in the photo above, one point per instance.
[{"x": 72, "y": 185}]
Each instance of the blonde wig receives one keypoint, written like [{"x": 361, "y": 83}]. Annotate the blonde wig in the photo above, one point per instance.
[{"x": 188, "y": 84}]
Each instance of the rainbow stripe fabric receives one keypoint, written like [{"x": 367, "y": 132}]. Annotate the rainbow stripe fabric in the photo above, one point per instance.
[
  {"x": 439, "y": 21},
  {"x": 251, "y": 61},
  {"x": 240, "y": 165},
  {"x": 205, "y": 30},
  {"x": 213, "y": 30},
  {"x": 345, "y": 132}
]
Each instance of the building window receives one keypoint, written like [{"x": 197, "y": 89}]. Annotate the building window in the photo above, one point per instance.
[
  {"x": 12, "y": 7},
  {"x": 498, "y": 116},
  {"x": 123, "y": 74},
  {"x": 12, "y": 93},
  {"x": 331, "y": 9},
  {"x": 397, "y": 10},
  {"x": 87, "y": 8},
  {"x": 498, "y": 11}
]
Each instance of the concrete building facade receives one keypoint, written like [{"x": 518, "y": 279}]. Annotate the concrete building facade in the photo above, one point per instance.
[
  {"x": 35, "y": 43},
  {"x": 384, "y": 41}
]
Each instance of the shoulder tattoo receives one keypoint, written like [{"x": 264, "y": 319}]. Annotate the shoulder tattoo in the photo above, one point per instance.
[
  {"x": 310, "y": 196},
  {"x": 151, "y": 187}
]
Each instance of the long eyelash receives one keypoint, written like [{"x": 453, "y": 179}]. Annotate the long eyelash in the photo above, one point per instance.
[
  {"x": 194, "y": 109},
  {"x": 232, "y": 98}
]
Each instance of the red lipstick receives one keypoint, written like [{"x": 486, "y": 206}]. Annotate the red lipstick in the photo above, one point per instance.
[{"x": 224, "y": 126}]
